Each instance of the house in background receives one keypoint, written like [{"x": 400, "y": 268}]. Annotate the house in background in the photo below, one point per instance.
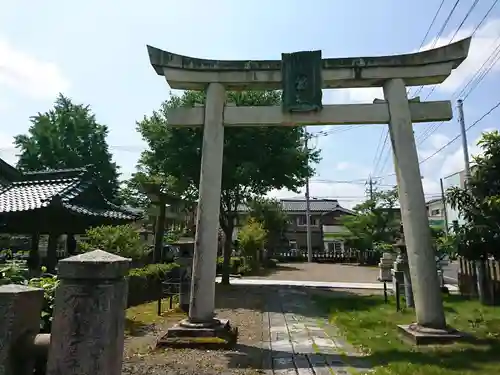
[
  {"x": 325, "y": 217},
  {"x": 435, "y": 213},
  {"x": 454, "y": 180}
]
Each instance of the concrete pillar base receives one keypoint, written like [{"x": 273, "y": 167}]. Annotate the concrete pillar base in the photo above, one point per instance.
[
  {"x": 419, "y": 335},
  {"x": 217, "y": 333}
]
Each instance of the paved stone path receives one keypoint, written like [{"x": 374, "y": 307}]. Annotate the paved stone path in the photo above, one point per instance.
[{"x": 298, "y": 343}]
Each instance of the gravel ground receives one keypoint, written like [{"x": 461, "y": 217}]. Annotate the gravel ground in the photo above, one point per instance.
[
  {"x": 243, "y": 307},
  {"x": 330, "y": 272}
]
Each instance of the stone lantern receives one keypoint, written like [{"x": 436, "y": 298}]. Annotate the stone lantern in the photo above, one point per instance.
[
  {"x": 401, "y": 271},
  {"x": 385, "y": 266}
]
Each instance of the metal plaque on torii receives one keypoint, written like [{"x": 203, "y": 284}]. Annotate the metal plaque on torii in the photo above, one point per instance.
[{"x": 302, "y": 81}]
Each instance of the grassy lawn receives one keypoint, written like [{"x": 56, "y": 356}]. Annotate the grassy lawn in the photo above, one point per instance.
[
  {"x": 140, "y": 318},
  {"x": 370, "y": 324}
]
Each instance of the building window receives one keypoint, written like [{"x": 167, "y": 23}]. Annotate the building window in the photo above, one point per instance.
[
  {"x": 302, "y": 221},
  {"x": 435, "y": 212},
  {"x": 334, "y": 246}
]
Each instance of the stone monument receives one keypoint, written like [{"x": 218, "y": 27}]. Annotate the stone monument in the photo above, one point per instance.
[{"x": 302, "y": 76}]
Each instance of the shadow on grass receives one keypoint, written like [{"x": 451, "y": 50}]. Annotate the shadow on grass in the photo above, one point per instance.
[
  {"x": 136, "y": 328},
  {"x": 456, "y": 358},
  {"x": 375, "y": 328},
  {"x": 140, "y": 320}
]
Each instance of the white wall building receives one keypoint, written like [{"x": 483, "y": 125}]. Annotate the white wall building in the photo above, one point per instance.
[{"x": 454, "y": 180}]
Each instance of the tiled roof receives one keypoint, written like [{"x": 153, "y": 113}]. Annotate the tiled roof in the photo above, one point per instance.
[
  {"x": 315, "y": 205},
  {"x": 299, "y": 205},
  {"x": 37, "y": 190},
  {"x": 30, "y": 195},
  {"x": 112, "y": 214}
]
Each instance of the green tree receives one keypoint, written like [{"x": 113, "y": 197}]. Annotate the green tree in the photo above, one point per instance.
[
  {"x": 252, "y": 238},
  {"x": 270, "y": 213},
  {"x": 123, "y": 240},
  {"x": 375, "y": 223},
  {"x": 68, "y": 136},
  {"x": 479, "y": 205},
  {"x": 256, "y": 159}
]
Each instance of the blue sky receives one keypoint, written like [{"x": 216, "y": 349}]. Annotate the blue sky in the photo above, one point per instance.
[{"x": 95, "y": 52}]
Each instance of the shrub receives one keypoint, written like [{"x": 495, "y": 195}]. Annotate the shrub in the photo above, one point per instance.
[
  {"x": 49, "y": 285},
  {"x": 145, "y": 283},
  {"x": 251, "y": 239},
  {"x": 122, "y": 240},
  {"x": 234, "y": 265},
  {"x": 271, "y": 263}
]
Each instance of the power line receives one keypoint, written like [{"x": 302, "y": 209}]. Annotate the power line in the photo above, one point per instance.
[
  {"x": 467, "y": 129},
  {"x": 427, "y": 32},
  {"x": 475, "y": 80},
  {"x": 439, "y": 34},
  {"x": 454, "y": 35},
  {"x": 477, "y": 77}
]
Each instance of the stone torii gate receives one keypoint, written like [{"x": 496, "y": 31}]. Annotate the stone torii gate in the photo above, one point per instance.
[{"x": 302, "y": 76}]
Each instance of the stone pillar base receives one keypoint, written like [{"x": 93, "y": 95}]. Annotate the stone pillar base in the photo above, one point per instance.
[
  {"x": 419, "y": 335},
  {"x": 217, "y": 333}
]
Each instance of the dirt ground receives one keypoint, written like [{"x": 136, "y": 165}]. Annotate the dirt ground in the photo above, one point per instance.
[
  {"x": 328, "y": 272},
  {"x": 242, "y": 307}
]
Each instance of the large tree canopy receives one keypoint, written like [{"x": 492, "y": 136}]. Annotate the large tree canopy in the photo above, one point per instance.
[
  {"x": 68, "y": 136},
  {"x": 376, "y": 222},
  {"x": 479, "y": 203},
  {"x": 256, "y": 159}
]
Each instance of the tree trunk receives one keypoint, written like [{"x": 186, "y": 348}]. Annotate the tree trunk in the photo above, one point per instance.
[
  {"x": 482, "y": 289},
  {"x": 227, "y": 250},
  {"x": 159, "y": 233},
  {"x": 52, "y": 253},
  {"x": 34, "y": 257},
  {"x": 71, "y": 244}
]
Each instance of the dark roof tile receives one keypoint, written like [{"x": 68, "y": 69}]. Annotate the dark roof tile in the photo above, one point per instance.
[
  {"x": 31, "y": 195},
  {"x": 315, "y": 205}
]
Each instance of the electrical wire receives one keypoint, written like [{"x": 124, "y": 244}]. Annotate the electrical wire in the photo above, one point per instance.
[{"x": 466, "y": 130}]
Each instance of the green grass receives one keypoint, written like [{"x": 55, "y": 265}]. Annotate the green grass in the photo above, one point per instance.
[
  {"x": 370, "y": 325},
  {"x": 138, "y": 318}
]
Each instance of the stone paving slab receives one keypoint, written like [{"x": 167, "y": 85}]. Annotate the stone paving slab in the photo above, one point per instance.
[{"x": 300, "y": 343}]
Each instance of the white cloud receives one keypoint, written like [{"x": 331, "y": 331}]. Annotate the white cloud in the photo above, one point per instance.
[
  {"x": 7, "y": 150},
  {"x": 481, "y": 47},
  {"x": 353, "y": 95},
  {"x": 343, "y": 165},
  {"x": 483, "y": 44},
  {"x": 29, "y": 75},
  {"x": 445, "y": 163}
]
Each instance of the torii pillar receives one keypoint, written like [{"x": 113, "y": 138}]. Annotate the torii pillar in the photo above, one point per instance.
[{"x": 302, "y": 76}]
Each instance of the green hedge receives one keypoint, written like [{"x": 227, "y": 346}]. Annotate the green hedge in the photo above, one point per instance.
[
  {"x": 144, "y": 284},
  {"x": 236, "y": 265}
]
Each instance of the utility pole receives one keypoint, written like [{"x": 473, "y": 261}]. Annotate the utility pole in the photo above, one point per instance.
[
  {"x": 464, "y": 139},
  {"x": 480, "y": 265},
  {"x": 443, "y": 198},
  {"x": 370, "y": 183},
  {"x": 308, "y": 211}
]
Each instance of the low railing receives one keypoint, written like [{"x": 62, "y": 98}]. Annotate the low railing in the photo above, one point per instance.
[
  {"x": 467, "y": 279},
  {"x": 349, "y": 256}
]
